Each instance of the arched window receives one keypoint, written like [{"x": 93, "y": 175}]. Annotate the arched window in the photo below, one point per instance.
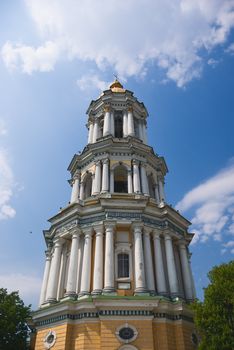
[
  {"x": 121, "y": 179},
  {"x": 88, "y": 186},
  {"x": 123, "y": 265},
  {"x": 118, "y": 125},
  {"x": 151, "y": 186}
]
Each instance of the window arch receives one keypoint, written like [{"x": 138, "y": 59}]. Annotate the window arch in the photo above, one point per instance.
[
  {"x": 88, "y": 185},
  {"x": 121, "y": 179},
  {"x": 123, "y": 265}
]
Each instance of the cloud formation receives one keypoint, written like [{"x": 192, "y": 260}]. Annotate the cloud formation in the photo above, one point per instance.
[
  {"x": 6, "y": 187},
  {"x": 125, "y": 36},
  {"x": 213, "y": 206}
]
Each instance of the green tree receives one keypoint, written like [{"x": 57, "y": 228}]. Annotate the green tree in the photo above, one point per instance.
[
  {"x": 13, "y": 316},
  {"x": 214, "y": 317}
]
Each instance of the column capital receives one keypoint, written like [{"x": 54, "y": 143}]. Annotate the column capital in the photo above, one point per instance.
[
  {"x": 48, "y": 254},
  {"x": 76, "y": 175},
  {"x": 98, "y": 229},
  {"x": 147, "y": 230},
  {"x": 137, "y": 228},
  {"x": 105, "y": 161},
  {"x": 156, "y": 233},
  {"x": 182, "y": 244},
  {"x": 143, "y": 164},
  {"x": 130, "y": 108},
  {"x": 88, "y": 232},
  {"x": 74, "y": 233},
  {"x": 58, "y": 242},
  {"x": 135, "y": 162},
  {"x": 167, "y": 236},
  {"x": 106, "y": 108},
  {"x": 98, "y": 163},
  {"x": 110, "y": 226}
]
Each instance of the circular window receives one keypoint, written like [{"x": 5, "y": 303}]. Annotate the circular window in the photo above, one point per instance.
[
  {"x": 50, "y": 339},
  {"x": 126, "y": 333}
]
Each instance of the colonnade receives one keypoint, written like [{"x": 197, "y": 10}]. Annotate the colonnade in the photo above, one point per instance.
[
  {"x": 103, "y": 181},
  {"x": 151, "y": 272},
  {"x": 128, "y": 126}
]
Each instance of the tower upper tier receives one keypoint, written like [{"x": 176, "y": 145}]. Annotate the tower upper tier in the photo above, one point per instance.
[{"x": 118, "y": 113}]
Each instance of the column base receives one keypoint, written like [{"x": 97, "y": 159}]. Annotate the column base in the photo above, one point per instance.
[
  {"x": 96, "y": 292},
  {"x": 141, "y": 291},
  {"x": 70, "y": 295},
  {"x": 109, "y": 291},
  {"x": 50, "y": 301},
  {"x": 83, "y": 294}
]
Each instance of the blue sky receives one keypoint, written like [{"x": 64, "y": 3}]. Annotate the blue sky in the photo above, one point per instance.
[{"x": 55, "y": 57}]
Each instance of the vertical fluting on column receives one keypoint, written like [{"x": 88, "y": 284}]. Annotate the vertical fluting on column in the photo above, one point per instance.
[
  {"x": 96, "y": 130},
  {"x": 188, "y": 285},
  {"x": 73, "y": 265},
  {"x": 159, "y": 266},
  {"x": 82, "y": 190},
  {"x": 107, "y": 121},
  {"x": 97, "y": 187},
  {"x": 125, "y": 124},
  {"x": 140, "y": 129},
  {"x": 112, "y": 123},
  {"x": 156, "y": 194},
  {"x": 171, "y": 267},
  {"x": 75, "y": 187},
  {"x": 140, "y": 286},
  {"x": 54, "y": 271},
  {"x": 90, "y": 137},
  {"x": 144, "y": 180},
  {"x": 149, "y": 271},
  {"x": 105, "y": 175},
  {"x": 98, "y": 261},
  {"x": 62, "y": 273},
  {"x": 109, "y": 283},
  {"x": 131, "y": 131},
  {"x": 45, "y": 276},
  {"x": 112, "y": 181},
  {"x": 130, "y": 181},
  {"x": 161, "y": 188},
  {"x": 86, "y": 267},
  {"x": 136, "y": 177}
]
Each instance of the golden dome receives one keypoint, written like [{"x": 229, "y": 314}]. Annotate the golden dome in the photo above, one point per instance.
[{"x": 116, "y": 86}]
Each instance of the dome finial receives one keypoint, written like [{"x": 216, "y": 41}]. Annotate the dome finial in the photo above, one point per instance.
[{"x": 116, "y": 86}]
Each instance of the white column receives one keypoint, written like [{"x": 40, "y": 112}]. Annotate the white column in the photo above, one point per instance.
[
  {"x": 54, "y": 272},
  {"x": 131, "y": 130},
  {"x": 86, "y": 267},
  {"x": 107, "y": 122},
  {"x": 156, "y": 194},
  {"x": 73, "y": 264},
  {"x": 93, "y": 185},
  {"x": 96, "y": 130},
  {"x": 82, "y": 190},
  {"x": 139, "y": 261},
  {"x": 144, "y": 132},
  {"x": 112, "y": 122},
  {"x": 98, "y": 262},
  {"x": 144, "y": 180},
  {"x": 141, "y": 136},
  {"x": 149, "y": 271},
  {"x": 125, "y": 124},
  {"x": 75, "y": 188},
  {"x": 109, "y": 284},
  {"x": 105, "y": 175},
  {"x": 171, "y": 267},
  {"x": 161, "y": 189},
  {"x": 130, "y": 181},
  {"x": 188, "y": 285},
  {"x": 159, "y": 268},
  {"x": 45, "y": 277},
  {"x": 136, "y": 177},
  {"x": 90, "y": 138},
  {"x": 62, "y": 273},
  {"x": 97, "y": 187},
  {"x": 111, "y": 181}
]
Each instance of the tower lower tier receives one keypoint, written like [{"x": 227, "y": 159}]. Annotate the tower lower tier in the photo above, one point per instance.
[{"x": 111, "y": 322}]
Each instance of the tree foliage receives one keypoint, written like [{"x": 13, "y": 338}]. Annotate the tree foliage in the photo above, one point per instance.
[
  {"x": 214, "y": 317},
  {"x": 13, "y": 316}
]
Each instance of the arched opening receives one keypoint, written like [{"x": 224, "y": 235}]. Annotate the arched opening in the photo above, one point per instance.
[
  {"x": 88, "y": 186},
  {"x": 118, "y": 125},
  {"x": 120, "y": 179},
  {"x": 123, "y": 265},
  {"x": 151, "y": 186}
]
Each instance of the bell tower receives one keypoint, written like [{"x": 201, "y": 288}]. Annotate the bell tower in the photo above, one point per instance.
[{"x": 117, "y": 272}]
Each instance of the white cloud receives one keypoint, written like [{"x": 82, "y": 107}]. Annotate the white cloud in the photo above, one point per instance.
[
  {"x": 227, "y": 246},
  {"x": 28, "y": 286},
  {"x": 213, "y": 204},
  {"x": 125, "y": 35},
  {"x": 90, "y": 81},
  {"x": 6, "y": 187},
  {"x": 30, "y": 59}
]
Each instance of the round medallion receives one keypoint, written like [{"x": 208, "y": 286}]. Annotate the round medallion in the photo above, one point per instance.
[
  {"x": 126, "y": 333},
  {"x": 50, "y": 339}
]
